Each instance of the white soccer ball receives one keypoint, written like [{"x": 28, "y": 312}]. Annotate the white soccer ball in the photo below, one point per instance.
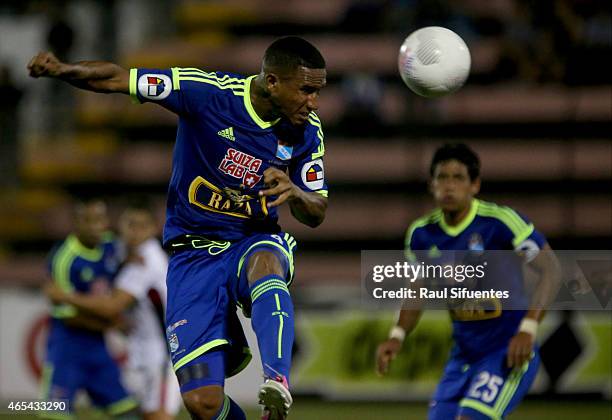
[{"x": 434, "y": 61}]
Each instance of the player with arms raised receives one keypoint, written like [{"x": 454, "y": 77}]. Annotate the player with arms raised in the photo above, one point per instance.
[
  {"x": 244, "y": 146},
  {"x": 494, "y": 360}
]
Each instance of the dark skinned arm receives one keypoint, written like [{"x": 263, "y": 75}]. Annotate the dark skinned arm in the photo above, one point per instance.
[
  {"x": 96, "y": 76},
  {"x": 549, "y": 271},
  {"x": 107, "y": 307},
  {"x": 307, "y": 207},
  {"x": 408, "y": 318}
]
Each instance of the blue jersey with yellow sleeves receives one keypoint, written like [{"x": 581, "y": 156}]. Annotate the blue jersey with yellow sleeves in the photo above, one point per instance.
[
  {"x": 487, "y": 227},
  {"x": 222, "y": 149},
  {"x": 76, "y": 268}
]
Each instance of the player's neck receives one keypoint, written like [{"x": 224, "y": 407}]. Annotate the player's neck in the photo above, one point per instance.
[
  {"x": 260, "y": 101},
  {"x": 85, "y": 243},
  {"x": 453, "y": 218}
]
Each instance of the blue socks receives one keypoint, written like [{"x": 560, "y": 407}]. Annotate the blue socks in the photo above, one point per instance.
[
  {"x": 272, "y": 321},
  {"x": 230, "y": 411}
]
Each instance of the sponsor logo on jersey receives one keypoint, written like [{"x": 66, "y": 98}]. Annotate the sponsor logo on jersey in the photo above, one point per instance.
[
  {"x": 227, "y": 133},
  {"x": 231, "y": 202},
  {"x": 154, "y": 86},
  {"x": 242, "y": 166},
  {"x": 313, "y": 174}
]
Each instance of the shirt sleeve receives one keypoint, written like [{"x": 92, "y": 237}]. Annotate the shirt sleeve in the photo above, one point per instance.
[
  {"x": 182, "y": 91},
  {"x": 61, "y": 270},
  {"x": 412, "y": 243},
  {"x": 522, "y": 235},
  {"x": 133, "y": 279},
  {"x": 308, "y": 171}
]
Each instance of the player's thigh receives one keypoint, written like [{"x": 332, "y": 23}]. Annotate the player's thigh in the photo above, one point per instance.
[
  {"x": 495, "y": 389},
  {"x": 197, "y": 304},
  {"x": 264, "y": 254},
  {"x": 201, "y": 383}
]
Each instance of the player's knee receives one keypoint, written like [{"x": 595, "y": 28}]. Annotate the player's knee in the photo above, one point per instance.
[
  {"x": 263, "y": 263},
  {"x": 204, "y": 403}
]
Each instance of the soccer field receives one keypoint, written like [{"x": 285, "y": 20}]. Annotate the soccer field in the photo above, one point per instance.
[
  {"x": 312, "y": 409},
  {"x": 393, "y": 411}
]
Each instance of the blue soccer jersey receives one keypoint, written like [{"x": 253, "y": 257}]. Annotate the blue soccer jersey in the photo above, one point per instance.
[
  {"x": 487, "y": 227},
  {"x": 76, "y": 268},
  {"x": 77, "y": 358},
  {"x": 222, "y": 149}
]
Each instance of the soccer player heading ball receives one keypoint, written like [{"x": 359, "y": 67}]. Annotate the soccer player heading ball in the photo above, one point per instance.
[
  {"x": 494, "y": 359},
  {"x": 244, "y": 146}
]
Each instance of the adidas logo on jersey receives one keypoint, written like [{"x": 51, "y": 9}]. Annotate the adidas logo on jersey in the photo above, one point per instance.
[{"x": 227, "y": 133}]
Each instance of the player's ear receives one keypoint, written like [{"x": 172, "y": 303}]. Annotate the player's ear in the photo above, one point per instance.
[
  {"x": 476, "y": 186},
  {"x": 271, "y": 82},
  {"x": 430, "y": 185}
]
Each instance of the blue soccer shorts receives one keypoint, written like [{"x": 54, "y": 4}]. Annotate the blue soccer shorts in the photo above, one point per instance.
[
  {"x": 204, "y": 287},
  {"x": 69, "y": 368},
  {"x": 487, "y": 389}
]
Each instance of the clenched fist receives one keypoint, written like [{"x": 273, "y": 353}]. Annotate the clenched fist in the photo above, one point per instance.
[{"x": 44, "y": 64}]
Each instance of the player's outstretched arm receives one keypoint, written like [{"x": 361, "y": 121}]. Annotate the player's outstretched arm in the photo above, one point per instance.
[
  {"x": 97, "y": 76},
  {"x": 307, "y": 207}
]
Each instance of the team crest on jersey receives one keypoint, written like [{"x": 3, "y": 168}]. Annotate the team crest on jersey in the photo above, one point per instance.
[
  {"x": 242, "y": 166},
  {"x": 284, "y": 151},
  {"x": 154, "y": 86},
  {"x": 313, "y": 174},
  {"x": 476, "y": 243}
]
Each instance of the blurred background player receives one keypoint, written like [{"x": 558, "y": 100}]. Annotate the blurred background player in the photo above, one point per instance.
[
  {"x": 77, "y": 358},
  {"x": 244, "y": 147},
  {"x": 140, "y": 293},
  {"x": 494, "y": 360},
  {"x": 534, "y": 107}
]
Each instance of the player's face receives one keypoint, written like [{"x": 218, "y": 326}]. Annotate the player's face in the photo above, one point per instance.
[
  {"x": 136, "y": 226},
  {"x": 452, "y": 187},
  {"x": 91, "y": 223},
  {"x": 296, "y": 95}
]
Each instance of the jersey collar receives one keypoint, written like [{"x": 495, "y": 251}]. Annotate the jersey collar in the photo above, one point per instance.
[
  {"x": 469, "y": 218},
  {"x": 82, "y": 251},
  {"x": 249, "y": 106}
]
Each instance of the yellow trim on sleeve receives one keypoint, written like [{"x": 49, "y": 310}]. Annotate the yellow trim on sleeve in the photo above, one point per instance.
[
  {"x": 134, "y": 86},
  {"x": 176, "y": 81}
]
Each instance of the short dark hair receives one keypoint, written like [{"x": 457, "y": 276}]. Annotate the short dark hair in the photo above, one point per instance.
[
  {"x": 291, "y": 52},
  {"x": 86, "y": 200},
  {"x": 142, "y": 203},
  {"x": 459, "y": 152}
]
